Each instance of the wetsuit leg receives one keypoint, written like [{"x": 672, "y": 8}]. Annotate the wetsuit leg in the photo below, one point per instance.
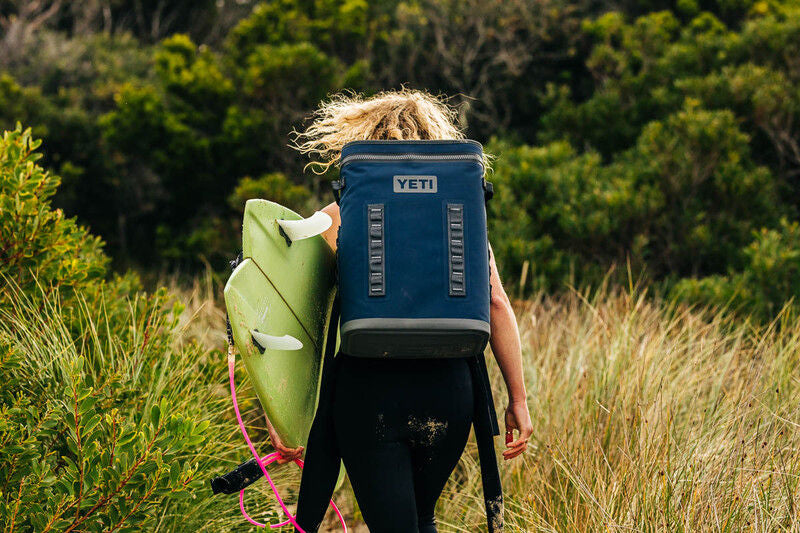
[
  {"x": 437, "y": 443},
  {"x": 401, "y": 426},
  {"x": 320, "y": 472},
  {"x": 383, "y": 484},
  {"x": 439, "y": 433}
]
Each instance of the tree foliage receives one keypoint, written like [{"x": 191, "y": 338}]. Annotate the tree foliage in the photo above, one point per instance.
[
  {"x": 39, "y": 245},
  {"x": 654, "y": 134},
  {"x": 682, "y": 201}
]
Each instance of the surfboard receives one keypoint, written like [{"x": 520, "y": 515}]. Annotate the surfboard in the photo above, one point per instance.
[{"x": 279, "y": 300}]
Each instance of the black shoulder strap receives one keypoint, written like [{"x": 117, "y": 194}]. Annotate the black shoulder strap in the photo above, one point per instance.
[
  {"x": 329, "y": 354},
  {"x": 337, "y": 186},
  {"x": 486, "y": 427},
  {"x": 323, "y": 459}
]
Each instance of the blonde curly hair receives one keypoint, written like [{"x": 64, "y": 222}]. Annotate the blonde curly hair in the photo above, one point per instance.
[{"x": 403, "y": 114}]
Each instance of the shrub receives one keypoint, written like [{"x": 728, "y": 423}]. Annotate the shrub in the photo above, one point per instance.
[
  {"x": 770, "y": 277},
  {"x": 683, "y": 201},
  {"x": 82, "y": 446},
  {"x": 275, "y": 187},
  {"x": 110, "y": 418},
  {"x": 38, "y": 244},
  {"x": 112, "y": 428}
]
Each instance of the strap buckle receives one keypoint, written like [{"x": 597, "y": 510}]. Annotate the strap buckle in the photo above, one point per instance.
[
  {"x": 488, "y": 190},
  {"x": 336, "y": 186}
]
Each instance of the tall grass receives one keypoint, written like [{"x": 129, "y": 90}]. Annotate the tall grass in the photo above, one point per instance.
[
  {"x": 647, "y": 417},
  {"x": 135, "y": 356}
]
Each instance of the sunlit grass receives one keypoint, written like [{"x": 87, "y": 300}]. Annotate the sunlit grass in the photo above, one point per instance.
[
  {"x": 647, "y": 417},
  {"x": 143, "y": 356}
]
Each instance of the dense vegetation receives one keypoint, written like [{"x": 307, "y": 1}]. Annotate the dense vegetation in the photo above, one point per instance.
[
  {"x": 656, "y": 136},
  {"x": 113, "y": 410},
  {"x": 661, "y": 138},
  {"x": 102, "y": 426}
]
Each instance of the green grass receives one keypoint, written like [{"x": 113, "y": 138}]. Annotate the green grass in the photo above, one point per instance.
[{"x": 648, "y": 415}]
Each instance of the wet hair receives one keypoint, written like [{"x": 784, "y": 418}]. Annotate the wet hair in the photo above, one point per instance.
[{"x": 403, "y": 114}]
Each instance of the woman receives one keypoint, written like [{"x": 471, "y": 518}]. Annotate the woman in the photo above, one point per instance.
[{"x": 400, "y": 426}]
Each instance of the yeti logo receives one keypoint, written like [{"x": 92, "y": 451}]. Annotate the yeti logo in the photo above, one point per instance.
[{"x": 415, "y": 184}]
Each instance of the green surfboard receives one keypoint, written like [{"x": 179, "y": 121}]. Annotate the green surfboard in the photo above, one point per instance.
[{"x": 281, "y": 289}]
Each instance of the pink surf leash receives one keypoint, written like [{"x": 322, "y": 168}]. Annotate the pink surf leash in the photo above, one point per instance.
[{"x": 263, "y": 461}]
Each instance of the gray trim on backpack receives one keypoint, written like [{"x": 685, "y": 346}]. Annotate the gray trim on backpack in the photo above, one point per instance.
[
  {"x": 455, "y": 325},
  {"x": 376, "y": 251},
  {"x": 408, "y": 338}
]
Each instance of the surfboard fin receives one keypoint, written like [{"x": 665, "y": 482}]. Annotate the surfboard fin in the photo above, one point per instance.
[
  {"x": 296, "y": 230},
  {"x": 264, "y": 341}
]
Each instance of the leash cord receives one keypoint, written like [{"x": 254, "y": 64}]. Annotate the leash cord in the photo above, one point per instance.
[{"x": 263, "y": 461}]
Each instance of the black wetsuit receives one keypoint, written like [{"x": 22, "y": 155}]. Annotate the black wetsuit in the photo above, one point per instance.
[{"x": 400, "y": 426}]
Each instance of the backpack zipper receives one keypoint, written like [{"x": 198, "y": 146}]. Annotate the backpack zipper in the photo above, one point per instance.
[
  {"x": 414, "y": 141},
  {"x": 410, "y": 157},
  {"x": 338, "y": 184}
]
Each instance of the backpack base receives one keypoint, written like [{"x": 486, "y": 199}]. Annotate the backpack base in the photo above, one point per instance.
[{"x": 411, "y": 338}]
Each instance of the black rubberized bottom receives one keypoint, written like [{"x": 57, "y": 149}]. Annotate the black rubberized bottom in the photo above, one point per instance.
[{"x": 414, "y": 338}]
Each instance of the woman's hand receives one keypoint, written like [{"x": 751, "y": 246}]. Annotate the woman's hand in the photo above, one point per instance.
[
  {"x": 286, "y": 454},
  {"x": 517, "y": 417}
]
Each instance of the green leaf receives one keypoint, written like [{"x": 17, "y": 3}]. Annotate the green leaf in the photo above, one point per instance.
[
  {"x": 174, "y": 473},
  {"x": 155, "y": 415},
  {"x": 92, "y": 422}
]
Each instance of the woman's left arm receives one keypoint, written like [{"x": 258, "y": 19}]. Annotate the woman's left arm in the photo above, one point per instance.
[
  {"x": 330, "y": 234},
  {"x": 507, "y": 350}
]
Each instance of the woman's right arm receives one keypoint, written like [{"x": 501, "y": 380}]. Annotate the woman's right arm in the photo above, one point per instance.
[{"x": 507, "y": 350}]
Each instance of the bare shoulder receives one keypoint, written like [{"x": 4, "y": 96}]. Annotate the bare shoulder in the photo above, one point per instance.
[
  {"x": 333, "y": 210},
  {"x": 329, "y": 235}
]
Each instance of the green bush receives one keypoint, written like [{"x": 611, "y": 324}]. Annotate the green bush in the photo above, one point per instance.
[
  {"x": 551, "y": 209},
  {"x": 706, "y": 194},
  {"x": 110, "y": 418},
  {"x": 83, "y": 446},
  {"x": 682, "y": 201},
  {"x": 275, "y": 187},
  {"x": 217, "y": 120},
  {"x": 769, "y": 280},
  {"x": 645, "y": 68},
  {"x": 114, "y": 426},
  {"x": 38, "y": 244}
]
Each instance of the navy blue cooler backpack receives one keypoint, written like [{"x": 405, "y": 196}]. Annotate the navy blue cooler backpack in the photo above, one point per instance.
[
  {"x": 413, "y": 254},
  {"x": 413, "y": 266}
]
